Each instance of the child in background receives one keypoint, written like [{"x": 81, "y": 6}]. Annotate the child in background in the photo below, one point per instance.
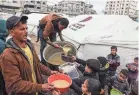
[
  {"x": 114, "y": 61},
  {"x": 89, "y": 68},
  {"x": 89, "y": 87},
  {"x": 133, "y": 71},
  {"x": 104, "y": 66},
  {"x": 119, "y": 82}
]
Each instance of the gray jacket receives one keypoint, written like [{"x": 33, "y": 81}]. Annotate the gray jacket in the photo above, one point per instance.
[
  {"x": 114, "y": 60},
  {"x": 113, "y": 81}
]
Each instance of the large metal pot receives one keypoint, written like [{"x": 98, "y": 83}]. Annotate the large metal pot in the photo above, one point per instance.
[{"x": 50, "y": 51}]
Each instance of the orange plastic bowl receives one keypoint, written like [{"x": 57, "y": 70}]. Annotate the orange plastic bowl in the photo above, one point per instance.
[{"x": 65, "y": 77}]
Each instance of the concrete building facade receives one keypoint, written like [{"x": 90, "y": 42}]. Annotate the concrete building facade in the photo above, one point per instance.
[{"x": 121, "y": 7}]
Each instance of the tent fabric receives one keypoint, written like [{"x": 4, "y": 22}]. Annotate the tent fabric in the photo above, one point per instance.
[
  {"x": 94, "y": 37},
  {"x": 102, "y": 27}
]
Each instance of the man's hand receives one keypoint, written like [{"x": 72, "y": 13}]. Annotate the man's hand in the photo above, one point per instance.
[
  {"x": 110, "y": 62},
  {"x": 54, "y": 72},
  {"x": 54, "y": 92},
  {"x": 47, "y": 87},
  {"x": 73, "y": 58},
  {"x": 57, "y": 46}
]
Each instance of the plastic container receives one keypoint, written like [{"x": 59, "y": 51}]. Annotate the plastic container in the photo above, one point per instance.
[
  {"x": 115, "y": 91},
  {"x": 65, "y": 77},
  {"x": 70, "y": 69}
]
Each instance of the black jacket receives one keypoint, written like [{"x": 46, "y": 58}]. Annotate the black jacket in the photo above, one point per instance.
[
  {"x": 76, "y": 85},
  {"x": 86, "y": 74}
]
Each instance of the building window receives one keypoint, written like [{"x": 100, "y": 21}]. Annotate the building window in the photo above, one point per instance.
[
  {"x": 38, "y": 2},
  {"x": 82, "y": 3},
  {"x": 121, "y": 12},
  {"x": 14, "y": 1},
  {"x": 38, "y": 7},
  {"x": 32, "y": 1}
]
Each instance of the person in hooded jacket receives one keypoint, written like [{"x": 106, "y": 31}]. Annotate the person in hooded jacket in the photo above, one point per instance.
[
  {"x": 3, "y": 35},
  {"x": 104, "y": 66}
]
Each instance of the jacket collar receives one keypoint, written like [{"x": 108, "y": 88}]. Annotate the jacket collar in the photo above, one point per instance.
[{"x": 10, "y": 44}]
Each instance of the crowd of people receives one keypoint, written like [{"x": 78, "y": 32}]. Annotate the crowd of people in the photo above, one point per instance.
[{"x": 21, "y": 70}]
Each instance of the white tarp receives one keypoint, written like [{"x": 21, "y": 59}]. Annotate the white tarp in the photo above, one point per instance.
[
  {"x": 33, "y": 21},
  {"x": 98, "y": 24},
  {"x": 95, "y": 36},
  {"x": 5, "y": 16}
]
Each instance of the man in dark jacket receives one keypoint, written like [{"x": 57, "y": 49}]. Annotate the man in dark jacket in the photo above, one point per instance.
[
  {"x": 20, "y": 64},
  {"x": 3, "y": 35}
]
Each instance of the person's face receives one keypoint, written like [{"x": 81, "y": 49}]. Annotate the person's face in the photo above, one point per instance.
[
  {"x": 87, "y": 69},
  {"x": 19, "y": 32},
  {"x": 113, "y": 51},
  {"x": 122, "y": 77},
  {"x": 135, "y": 61},
  {"x": 61, "y": 27},
  {"x": 84, "y": 86}
]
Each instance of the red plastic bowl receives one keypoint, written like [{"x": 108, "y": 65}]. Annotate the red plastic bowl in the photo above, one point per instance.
[{"x": 60, "y": 77}]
